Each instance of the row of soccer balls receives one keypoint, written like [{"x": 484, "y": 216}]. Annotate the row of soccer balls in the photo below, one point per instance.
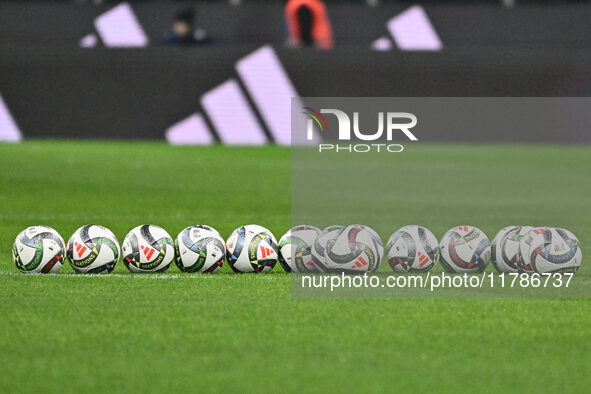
[
  {"x": 305, "y": 249},
  {"x": 462, "y": 249}
]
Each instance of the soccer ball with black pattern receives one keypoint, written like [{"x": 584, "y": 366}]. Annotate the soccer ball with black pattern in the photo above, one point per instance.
[
  {"x": 93, "y": 249},
  {"x": 39, "y": 250},
  {"x": 148, "y": 248},
  {"x": 554, "y": 250},
  {"x": 199, "y": 248},
  {"x": 464, "y": 249},
  {"x": 295, "y": 249},
  {"x": 319, "y": 245},
  {"x": 505, "y": 248},
  {"x": 251, "y": 248},
  {"x": 523, "y": 265},
  {"x": 412, "y": 249},
  {"x": 356, "y": 249}
]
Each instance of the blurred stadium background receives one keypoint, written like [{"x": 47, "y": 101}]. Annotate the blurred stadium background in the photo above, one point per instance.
[{"x": 99, "y": 69}]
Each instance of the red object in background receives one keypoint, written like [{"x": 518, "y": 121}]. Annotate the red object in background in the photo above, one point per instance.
[{"x": 321, "y": 30}]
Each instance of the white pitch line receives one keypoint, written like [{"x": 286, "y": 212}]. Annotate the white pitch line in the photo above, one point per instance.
[
  {"x": 136, "y": 276},
  {"x": 197, "y": 275}
]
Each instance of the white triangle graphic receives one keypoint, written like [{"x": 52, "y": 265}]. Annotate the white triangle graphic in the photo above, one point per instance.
[
  {"x": 119, "y": 27},
  {"x": 9, "y": 131},
  {"x": 88, "y": 41},
  {"x": 190, "y": 131},
  {"x": 274, "y": 95},
  {"x": 234, "y": 120},
  {"x": 382, "y": 44},
  {"x": 231, "y": 115},
  {"x": 412, "y": 31}
]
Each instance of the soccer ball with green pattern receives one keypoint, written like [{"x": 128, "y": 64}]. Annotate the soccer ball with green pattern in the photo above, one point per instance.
[
  {"x": 39, "y": 249},
  {"x": 554, "y": 250},
  {"x": 251, "y": 248},
  {"x": 295, "y": 249},
  {"x": 93, "y": 249},
  {"x": 199, "y": 248},
  {"x": 148, "y": 248},
  {"x": 412, "y": 249},
  {"x": 320, "y": 243},
  {"x": 505, "y": 248},
  {"x": 355, "y": 249},
  {"x": 464, "y": 249}
]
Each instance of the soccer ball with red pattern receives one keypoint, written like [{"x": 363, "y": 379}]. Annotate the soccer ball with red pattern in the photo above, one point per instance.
[
  {"x": 199, "y": 248},
  {"x": 412, "y": 249},
  {"x": 93, "y": 249},
  {"x": 39, "y": 250},
  {"x": 295, "y": 249},
  {"x": 251, "y": 248},
  {"x": 148, "y": 248},
  {"x": 354, "y": 249},
  {"x": 553, "y": 250},
  {"x": 464, "y": 249}
]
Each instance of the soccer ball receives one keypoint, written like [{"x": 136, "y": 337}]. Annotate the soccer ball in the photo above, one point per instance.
[
  {"x": 148, "y": 248},
  {"x": 356, "y": 249},
  {"x": 319, "y": 245},
  {"x": 93, "y": 249},
  {"x": 505, "y": 248},
  {"x": 39, "y": 249},
  {"x": 412, "y": 249},
  {"x": 251, "y": 248},
  {"x": 199, "y": 248},
  {"x": 523, "y": 264},
  {"x": 295, "y": 249},
  {"x": 464, "y": 249},
  {"x": 554, "y": 250}
]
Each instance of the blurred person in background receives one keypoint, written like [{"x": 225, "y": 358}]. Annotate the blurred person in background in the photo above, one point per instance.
[
  {"x": 183, "y": 30},
  {"x": 308, "y": 24}
]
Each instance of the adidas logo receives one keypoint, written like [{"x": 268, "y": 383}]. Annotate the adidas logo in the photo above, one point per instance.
[
  {"x": 265, "y": 252},
  {"x": 360, "y": 263},
  {"x": 234, "y": 120},
  {"x": 148, "y": 252},
  {"x": 227, "y": 107},
  {"x": 423, "y": 259},
  {"x": 411, "y": 31},
  {"x": 228, "y": 115},
  {"x": 80, "y": 249}
]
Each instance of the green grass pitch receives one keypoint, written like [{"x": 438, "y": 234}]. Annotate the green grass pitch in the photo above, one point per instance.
[{"x": 242, "y": 333}]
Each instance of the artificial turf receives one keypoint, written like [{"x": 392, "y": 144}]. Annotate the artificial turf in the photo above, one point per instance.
[{"x": 227, "y": 332}]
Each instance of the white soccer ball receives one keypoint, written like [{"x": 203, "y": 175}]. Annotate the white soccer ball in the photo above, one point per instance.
[
  {"x": 554, "y": 250},
  {"x": 148, "y": 248},
  {"x": 295, "y": 249},
  {"x": 199, "y": 248},
  {"x": 523, "y": 264},
  {"x": 251, "y": 248},
  {"x": 356, "y": 249},
  {"x": 505, "y": 248},
  {"x": 93, "y": 249},
  {"x": 464, "y": 249},
  {"x": 319, "y": 245},
  {"x": 412, "y": 249},
  {"x": 39, "y": 249}
]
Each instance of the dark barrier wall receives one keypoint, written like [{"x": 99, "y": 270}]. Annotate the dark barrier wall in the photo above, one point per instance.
[
  {"x": 53, "y": 88},
  {"x": 48, "y": 24},
  {"x": 139, "y": 93}
]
